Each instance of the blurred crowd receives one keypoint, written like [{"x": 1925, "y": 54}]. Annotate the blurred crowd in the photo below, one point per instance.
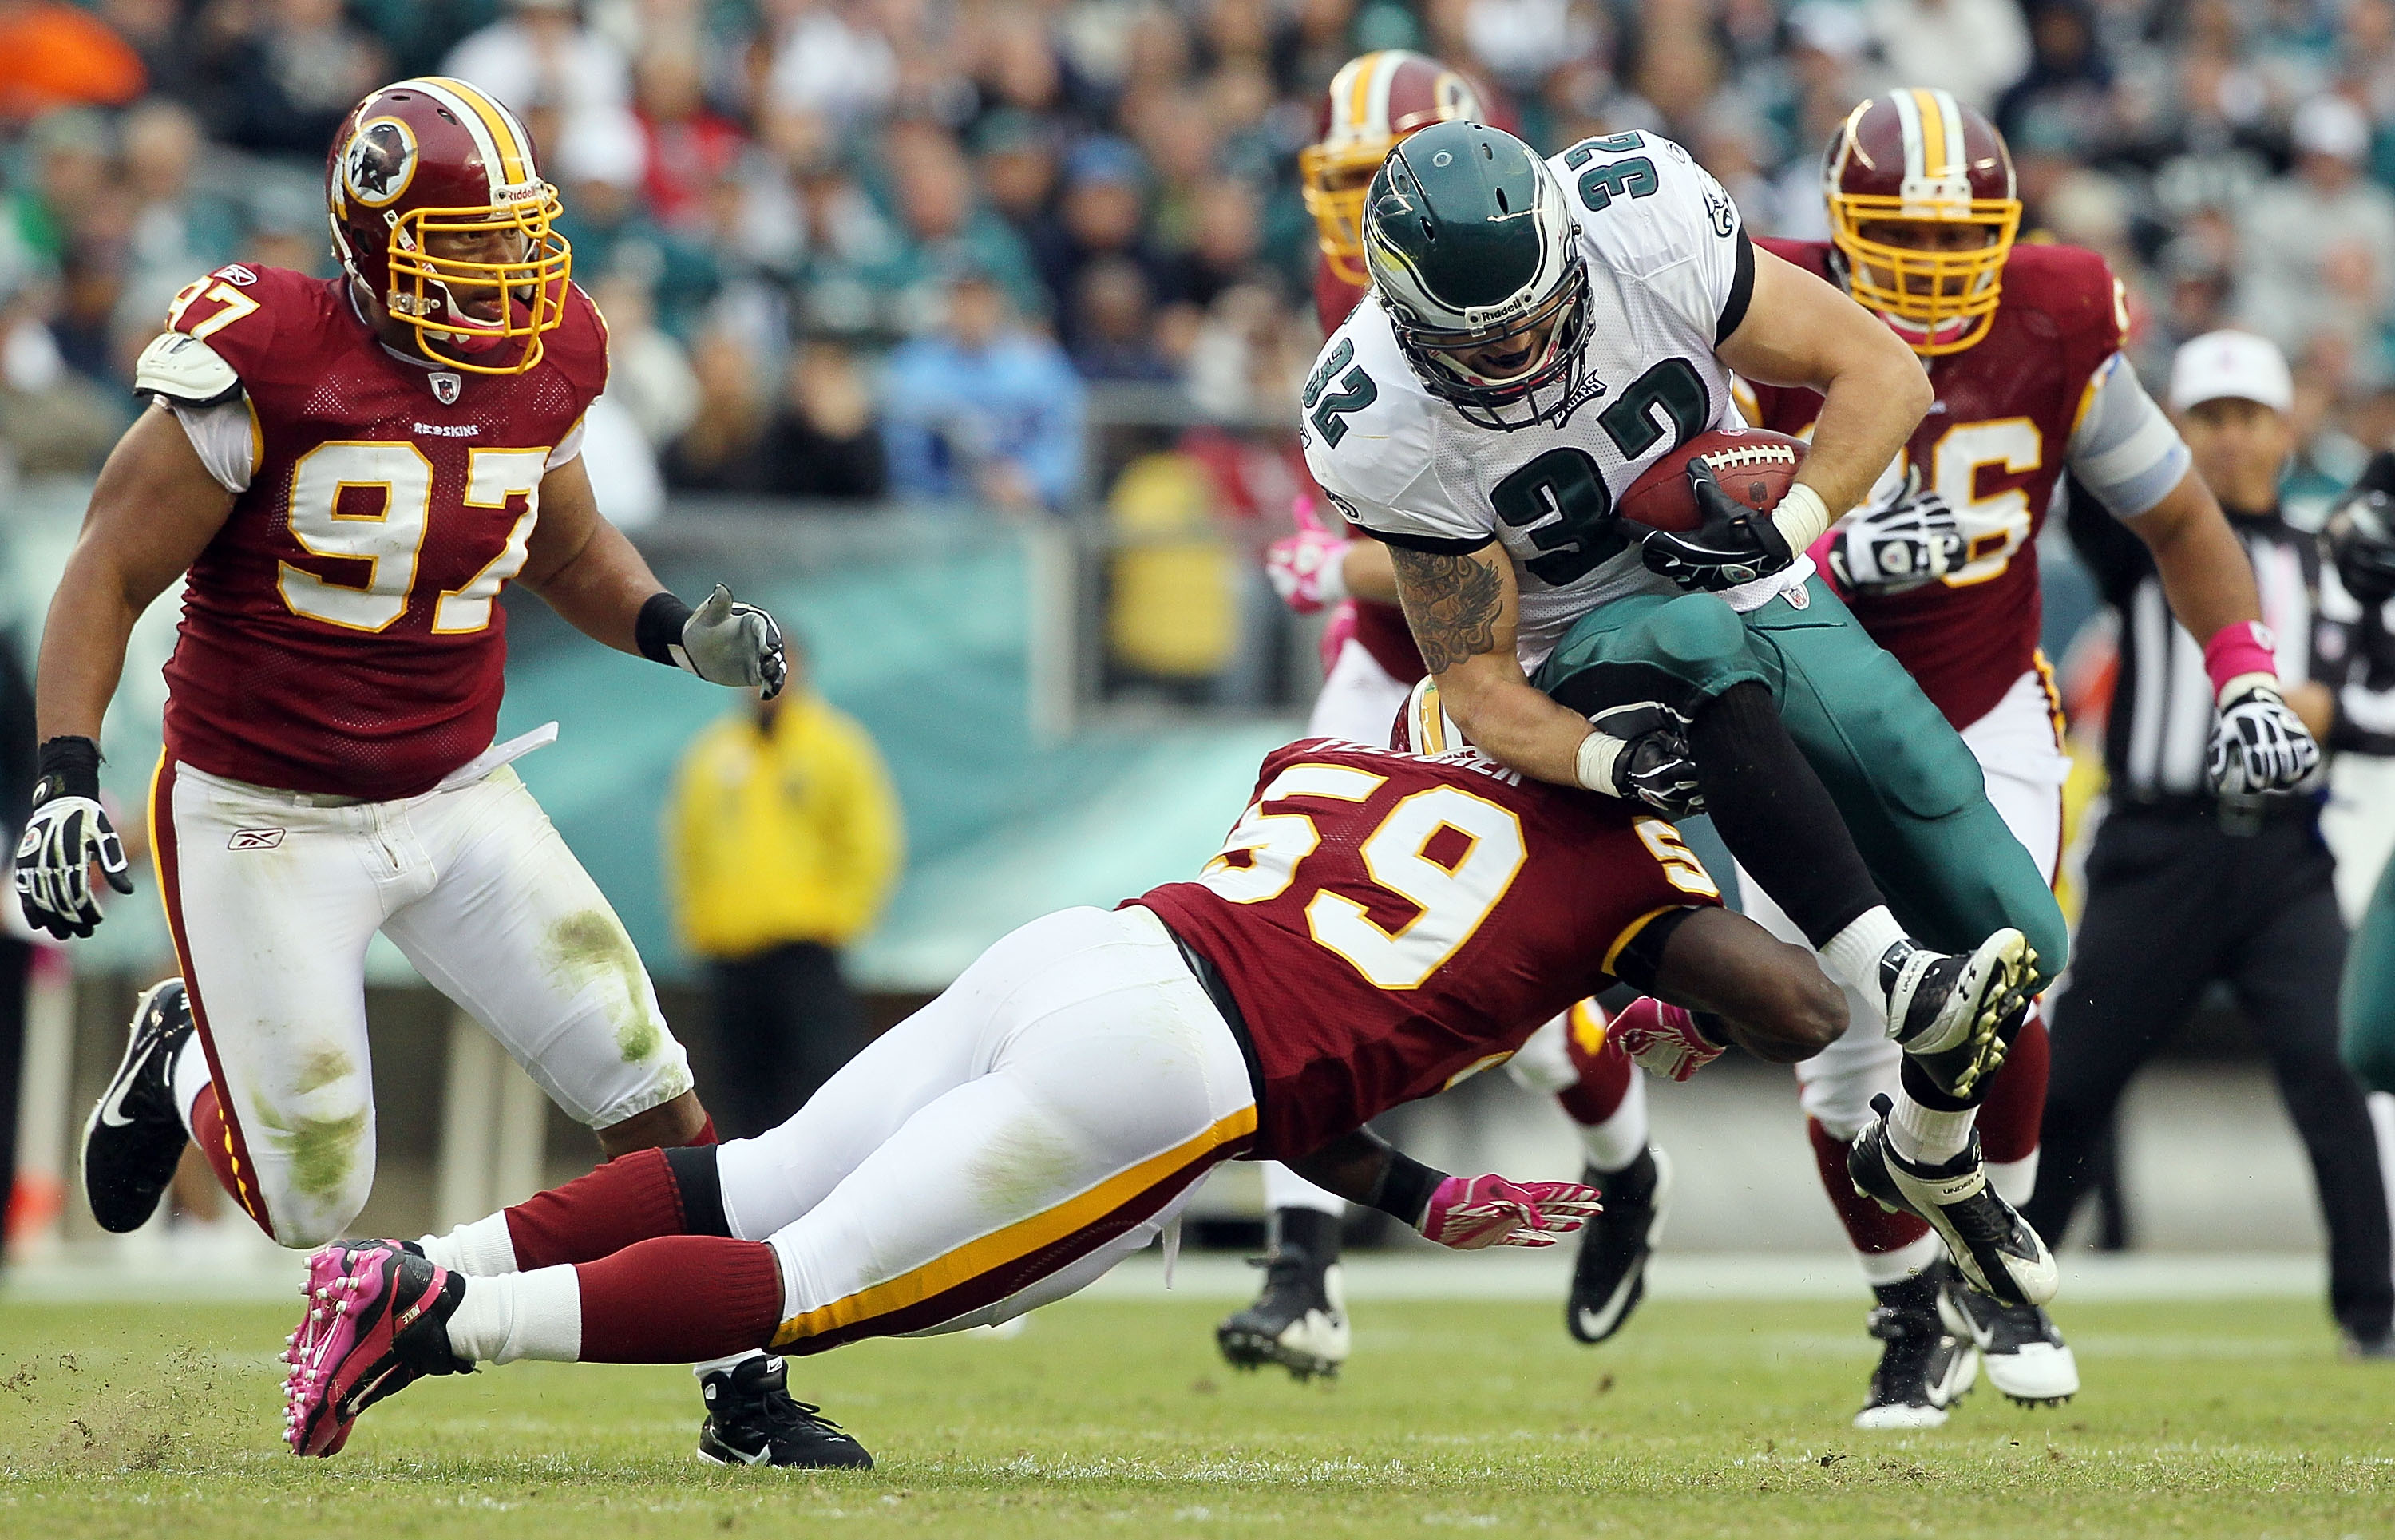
[{"x": 863, "y": 249}]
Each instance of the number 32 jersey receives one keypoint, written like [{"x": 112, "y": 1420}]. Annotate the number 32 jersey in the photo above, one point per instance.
[
  {"x": 1390, "y": 923},
  {"x": 1670, "y": 271},
  {"x": 340, "y": 633}
]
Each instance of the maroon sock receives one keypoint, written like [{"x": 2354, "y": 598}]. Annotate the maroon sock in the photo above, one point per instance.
[
  {"x": 2016, "y": 1104},
  {"x": 1604, "y": 1078},
  {"x": 1872, "y": 1228},
  {"x": 680, "y": 1299},
  {"x": 632, "y": 1198},
  {"x": 705, "y": 1134}
]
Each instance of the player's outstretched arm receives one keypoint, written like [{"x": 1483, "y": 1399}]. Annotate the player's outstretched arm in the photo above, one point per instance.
[
  {"x": 1466, "y": 1213},
  {"x": 586, "y": 571},
  {"x": 1800, "y": 331},
  {"x": 1462, "y": 609},
  {"x": 2260, "y": 742},
  {"x": 153, "y": 509},
  {"x": 1773, "y": 998}
]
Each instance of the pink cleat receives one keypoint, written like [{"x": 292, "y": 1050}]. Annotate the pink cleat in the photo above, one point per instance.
[{"x": 377, "y": 1318}]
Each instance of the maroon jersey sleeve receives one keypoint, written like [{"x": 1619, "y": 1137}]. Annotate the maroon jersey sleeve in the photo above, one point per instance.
[
  {"x": 341, "y": 633},
  {"x": 1390, "y": 923}
]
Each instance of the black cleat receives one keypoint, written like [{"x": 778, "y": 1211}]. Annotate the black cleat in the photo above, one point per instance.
[
  {"x": 1300, "y": 1321},
  {"x": 1953, "y": 1015},
  {"x": 1997, "y": 1250},
  {"x": 2021, "y": 1350},
  {"x": 752, "y": 1420},
  {"x": 134, "y": 1137},
  {"x": 1610, "y": 1277},
  {"x": 1923, "y": 1368}
]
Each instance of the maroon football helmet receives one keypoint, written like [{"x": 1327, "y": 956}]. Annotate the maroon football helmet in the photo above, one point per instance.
[
  {"x": 1919, "y": 158},
  {"x": 434, "y": 163},
  {"x": 1375, "y": 100}
]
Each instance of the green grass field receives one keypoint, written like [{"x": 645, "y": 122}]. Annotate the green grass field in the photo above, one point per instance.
[{"x": 1115, "y": 1417}]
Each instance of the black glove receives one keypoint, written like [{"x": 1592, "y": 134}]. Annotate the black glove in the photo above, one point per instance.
[
  {"x": 1731, "y": 545},
  {"x": 1656, "y": 769},
  {"x": 67, "y": 831},
  {"x": 2258, "y": 744}
]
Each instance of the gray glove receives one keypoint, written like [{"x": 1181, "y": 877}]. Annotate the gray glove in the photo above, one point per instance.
[{"x": 723, "y": 641}]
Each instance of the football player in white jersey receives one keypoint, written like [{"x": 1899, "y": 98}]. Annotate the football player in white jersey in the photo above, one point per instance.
[{"x": 1539, "y": 334}]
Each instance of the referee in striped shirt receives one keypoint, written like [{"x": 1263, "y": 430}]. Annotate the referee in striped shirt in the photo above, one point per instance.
[{"x": 2186, "y": 885}]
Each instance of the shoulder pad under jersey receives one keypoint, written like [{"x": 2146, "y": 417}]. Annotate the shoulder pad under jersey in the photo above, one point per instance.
[{"x": 184, "y": 371}]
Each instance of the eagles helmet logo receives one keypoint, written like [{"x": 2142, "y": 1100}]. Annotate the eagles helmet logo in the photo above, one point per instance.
[{"x": 380, "y": 161}]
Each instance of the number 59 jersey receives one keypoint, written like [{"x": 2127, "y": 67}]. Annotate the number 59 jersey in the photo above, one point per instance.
[
  {"x": 1388, "y": 923},
  {"x": 1670, "y": 271},
  {"x": 340, "y": 633}
]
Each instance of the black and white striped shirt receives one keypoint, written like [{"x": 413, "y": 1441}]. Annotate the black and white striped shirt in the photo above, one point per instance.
[{"x": 2160, "y": 733}]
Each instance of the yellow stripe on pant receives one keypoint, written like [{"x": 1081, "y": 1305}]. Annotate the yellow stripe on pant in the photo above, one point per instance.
[{"x": 1005, "y": 1247}]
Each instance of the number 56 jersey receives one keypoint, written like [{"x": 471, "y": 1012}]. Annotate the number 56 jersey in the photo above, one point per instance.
[
  {"x": 340, "y": 633},
  {"x": 1390, "y": 923},
  {"x": 1670, "y": 271}
]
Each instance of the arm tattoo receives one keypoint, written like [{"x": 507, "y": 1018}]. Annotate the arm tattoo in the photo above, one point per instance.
[{"x": 1452, "y": 603}]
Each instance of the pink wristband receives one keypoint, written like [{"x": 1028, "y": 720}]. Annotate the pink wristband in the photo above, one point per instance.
[{"x": 2245, "y": 647}]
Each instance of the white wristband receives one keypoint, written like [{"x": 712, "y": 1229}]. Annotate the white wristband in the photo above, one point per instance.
[
  {"x": 1594, "y": 765},
  {"x": 1801, "y": 517},
  {"x": 2232, "y": 688}
]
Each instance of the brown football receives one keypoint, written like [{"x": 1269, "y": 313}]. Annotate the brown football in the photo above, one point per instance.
[{"x": 1752, "y": 465}]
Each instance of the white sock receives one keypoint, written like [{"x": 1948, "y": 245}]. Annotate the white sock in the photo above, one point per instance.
[
  {"x": 723, "y": 1365},
  {"x": 480, "y": 1248},
  {"x": 1926, "y": 1136},
  {"x": 188, "y": 1074},
  {"x": 1620, "y": 1138},
  {"x": 1884, "y": 1267},
  {"x": 1852, "y": 954},
  {"x": 528, "y": 1314},
  {"x": 2014, "y": 1180}
]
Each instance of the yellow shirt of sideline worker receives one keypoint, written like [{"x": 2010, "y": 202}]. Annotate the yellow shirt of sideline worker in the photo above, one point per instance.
[{"x": 783, "y": 828}]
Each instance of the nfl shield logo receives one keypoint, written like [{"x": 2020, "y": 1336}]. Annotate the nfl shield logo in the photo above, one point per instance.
[{"x": 445, "y": 387}]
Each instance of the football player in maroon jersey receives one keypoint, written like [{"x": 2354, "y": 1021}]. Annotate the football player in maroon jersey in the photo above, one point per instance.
[
  {"x": 1940, "y": 565},
  {"x": 345, "y": 474},
  {"x": 1369, "y": 661},
  {"x": 1377, "y": 926}
]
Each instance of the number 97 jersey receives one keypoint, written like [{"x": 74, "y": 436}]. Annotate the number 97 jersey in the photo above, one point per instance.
[
  {"x": 1390, "y": 923},
  {"x": 341, "y": 633}
]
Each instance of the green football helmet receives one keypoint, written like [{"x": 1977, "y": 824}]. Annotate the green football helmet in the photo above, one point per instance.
[{"x": 1473, "y": 249}]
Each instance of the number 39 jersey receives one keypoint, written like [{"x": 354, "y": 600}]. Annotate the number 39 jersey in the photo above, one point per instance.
[
  {"x": 1670, "y": 270},
  {"x": 340, "y": 633},
  {"x": 1390, "y": 923}
]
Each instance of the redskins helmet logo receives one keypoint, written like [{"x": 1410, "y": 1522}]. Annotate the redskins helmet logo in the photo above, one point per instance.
[{"x": 379, "y": 162}]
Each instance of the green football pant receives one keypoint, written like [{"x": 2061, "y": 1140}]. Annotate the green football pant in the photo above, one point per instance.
[
  {"x": 2366, "y": 1003},
  {"x": 1908, "y": 790}
]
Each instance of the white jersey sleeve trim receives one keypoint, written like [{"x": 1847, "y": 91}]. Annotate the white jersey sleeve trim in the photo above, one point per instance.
[
  {"x": 570, "y": 450},
  {"x": 225, "y": 437},
  {"x": 2124, "y": 448}
]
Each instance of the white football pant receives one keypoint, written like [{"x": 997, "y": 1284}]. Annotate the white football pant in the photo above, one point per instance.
[
  {"x": 272, "y": 896},
  {"x": 1045, "y": 1117}
]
